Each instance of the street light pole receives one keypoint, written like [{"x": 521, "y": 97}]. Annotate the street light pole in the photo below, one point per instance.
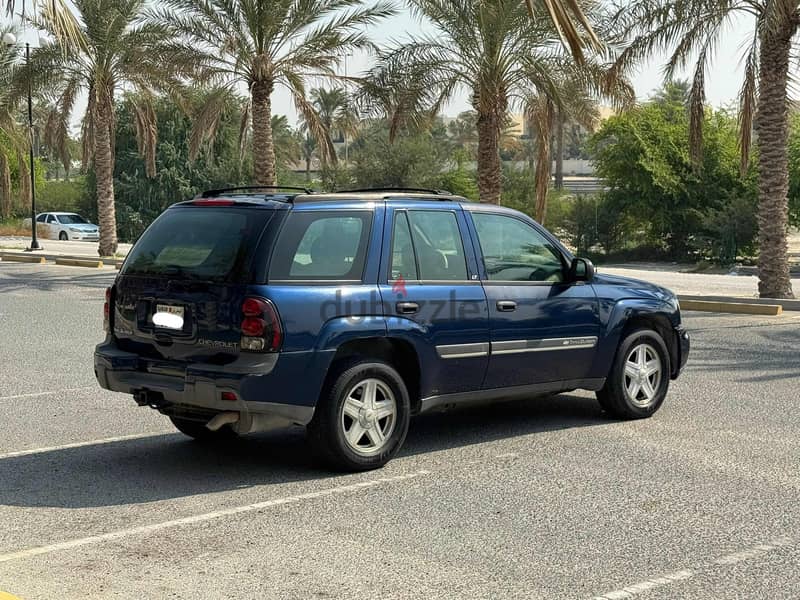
[{"x": 34, "y": 242}]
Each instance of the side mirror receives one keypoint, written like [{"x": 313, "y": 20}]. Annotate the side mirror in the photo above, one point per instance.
[{"x": 582, "y": 269}]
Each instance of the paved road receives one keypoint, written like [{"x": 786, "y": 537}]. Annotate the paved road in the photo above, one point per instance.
[
  {"x": 700, "y": 284},
  {"x": 544, "y": 499}
]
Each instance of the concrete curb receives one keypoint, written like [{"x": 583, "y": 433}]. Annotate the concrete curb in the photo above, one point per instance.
[
  {"x": 23, "y": 258},
  {"x": 49, "y": 256},
  {"x": 770, "y": 310},
  {"x": 75, "y": 262},
  {"x": 787, "y": 305}
]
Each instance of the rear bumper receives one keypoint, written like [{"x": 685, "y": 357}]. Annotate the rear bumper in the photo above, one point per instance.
[
  {"x": 197, "y": 392},
  {"x": 683, "y": 346}
]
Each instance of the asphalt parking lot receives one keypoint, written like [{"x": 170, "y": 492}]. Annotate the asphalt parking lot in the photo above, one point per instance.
[{"x": 538, "y": 499}]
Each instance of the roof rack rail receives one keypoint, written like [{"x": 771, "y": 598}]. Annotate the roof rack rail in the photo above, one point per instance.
[
  {"x": 396, "y": 189},
  {"x": 252, "y": 188}
]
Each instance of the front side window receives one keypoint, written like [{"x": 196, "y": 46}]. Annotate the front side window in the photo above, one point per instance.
[
  {"x": 515, "y": 251},
  {"x": 325, "y": 246},
  {"x": 51, "y": 219},
  {"x": 437, "y": 242}
]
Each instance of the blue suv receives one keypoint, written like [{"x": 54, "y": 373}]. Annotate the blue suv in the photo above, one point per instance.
[{"x": 252, "y": 308}]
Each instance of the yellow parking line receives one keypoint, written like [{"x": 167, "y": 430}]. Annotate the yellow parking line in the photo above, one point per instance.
[{"x": 6, "y": 596}]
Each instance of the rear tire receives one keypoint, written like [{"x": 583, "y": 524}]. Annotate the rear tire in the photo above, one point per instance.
[
  {"x": 639, "y": 378},
  {"x": 198, "y": 430},
  {"x": 362, "y": 417}
]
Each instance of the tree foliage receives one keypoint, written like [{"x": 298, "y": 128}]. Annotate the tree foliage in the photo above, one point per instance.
[
  {"x": 644, "y": 157},
  {"x": 140, "y": 199}
]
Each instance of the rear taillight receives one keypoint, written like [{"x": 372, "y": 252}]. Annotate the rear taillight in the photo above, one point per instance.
[
  {"x": 107, "y": 311},
  {"x": 261, "y": 327}
]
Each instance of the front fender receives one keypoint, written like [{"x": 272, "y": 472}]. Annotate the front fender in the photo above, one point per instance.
[{"x": 616, "y": 315}]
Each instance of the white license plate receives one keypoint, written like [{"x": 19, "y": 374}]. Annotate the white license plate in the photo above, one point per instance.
[{"x": 168, "y": 317}]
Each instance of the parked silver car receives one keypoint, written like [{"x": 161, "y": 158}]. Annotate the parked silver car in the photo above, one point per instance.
[{"x": 66, "y": 226}]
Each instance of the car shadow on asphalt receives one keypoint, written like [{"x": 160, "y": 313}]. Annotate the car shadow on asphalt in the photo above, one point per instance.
[
  {"x": 164, "y": 467},
  {"x": 39, "y": 279}
]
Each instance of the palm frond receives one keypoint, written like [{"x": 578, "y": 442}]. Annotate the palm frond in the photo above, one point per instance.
[
  {"x": 207, "y": 122},
  {"x": 568, "y": 18},
  {"x": 146, "y": 128}
]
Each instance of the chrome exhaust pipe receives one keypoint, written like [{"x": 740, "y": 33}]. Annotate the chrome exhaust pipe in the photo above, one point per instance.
[{"x": 222, "y": 419}]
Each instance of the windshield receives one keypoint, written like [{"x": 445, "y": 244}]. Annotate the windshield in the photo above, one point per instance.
[
  {"x": 210, "y": 244},
  {"x": 72, "y": 220}
]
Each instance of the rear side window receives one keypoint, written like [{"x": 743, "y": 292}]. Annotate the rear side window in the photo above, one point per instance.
[
  {"x": 403, "y": 261},
  {"x": 322, "y": 246},
  {"x": 209, "y": 244},
  {"x": 437, "y": 242}
]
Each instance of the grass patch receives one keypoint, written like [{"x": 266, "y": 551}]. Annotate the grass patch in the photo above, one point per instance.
[{"x": 13, "y": 227}]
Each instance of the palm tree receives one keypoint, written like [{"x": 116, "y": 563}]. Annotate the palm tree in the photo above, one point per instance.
[
  {"x": 568, "y": 90},
  {"x": 693, "y": 30},
  {"x": 267, "y": 43},
  {"x": 111, "y": 50},
  {"x": 490, "y": 47},
  {"x": 308, "y": 148},
  {"x": 287, "y": 146},
  {"x": 336, "y": 112}
]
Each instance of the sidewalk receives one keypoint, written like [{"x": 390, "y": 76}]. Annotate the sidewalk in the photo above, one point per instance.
[
  {"x": 56, "y": 247},
  {"x": 693, "y": 284}
]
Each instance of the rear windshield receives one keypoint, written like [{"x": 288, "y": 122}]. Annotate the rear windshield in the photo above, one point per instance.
[{"x": 211, "y": 244}]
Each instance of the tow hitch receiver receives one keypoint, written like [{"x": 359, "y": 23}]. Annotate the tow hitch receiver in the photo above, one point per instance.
[{"x": 149, "y": 398}]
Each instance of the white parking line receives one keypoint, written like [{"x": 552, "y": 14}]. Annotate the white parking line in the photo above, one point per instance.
[
  {"x": 121, "y": 438},
  {"x": 228, "y": 512},
  {"x": 50, "y": 393},
  {"x": 634, "y": 590}
]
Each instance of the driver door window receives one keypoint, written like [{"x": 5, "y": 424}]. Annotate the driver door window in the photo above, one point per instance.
[{"x": 515, "y": 251}]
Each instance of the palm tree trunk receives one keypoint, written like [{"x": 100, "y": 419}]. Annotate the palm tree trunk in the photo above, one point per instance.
[
  {"x": 560, "y": 151},
  {"x": 489, "y": 172},
  {"x": 263, "y": 144},
  {"x": 104, "y": 173},
  {"x": 5, "y": 187},
  {"x": 544, "y": 161},
  {"x": 772, "y": 131},
  {"x": 544, "y": 164}
]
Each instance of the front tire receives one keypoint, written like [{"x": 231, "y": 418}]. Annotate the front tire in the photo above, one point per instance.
[
  {"x": 63, "y": 237},
  {"x": 198, "y": 430},
  {"x": 639, "y": 378},
  {"x": 362, "y": 418}
]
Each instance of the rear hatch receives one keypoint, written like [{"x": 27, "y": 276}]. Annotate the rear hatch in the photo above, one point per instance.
[{"x": 178, "y": 298}]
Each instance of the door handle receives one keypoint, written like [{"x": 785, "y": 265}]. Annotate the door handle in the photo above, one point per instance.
[
  {"x": 407, "y": 308},
  {"x": 506, "y": 305}
]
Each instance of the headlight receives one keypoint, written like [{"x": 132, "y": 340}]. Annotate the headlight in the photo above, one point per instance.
[{"x": 75, "y": 229}]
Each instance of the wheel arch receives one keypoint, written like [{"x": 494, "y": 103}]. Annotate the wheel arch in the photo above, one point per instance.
[
  {"x": 630, "y": 315},
  {"x": 399, "y": 353}
]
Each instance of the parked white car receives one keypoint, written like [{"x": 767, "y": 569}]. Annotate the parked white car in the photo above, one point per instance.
[{"x": 66, "y": 226}]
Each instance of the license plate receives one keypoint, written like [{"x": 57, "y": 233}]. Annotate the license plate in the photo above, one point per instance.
[{"x": 168, "y": 317}]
